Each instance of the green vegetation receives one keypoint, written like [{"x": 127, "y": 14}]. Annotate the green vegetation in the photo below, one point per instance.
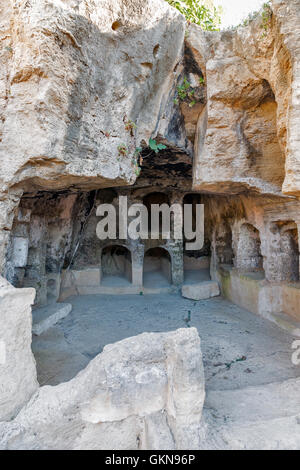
[
  {"x": 186, "y": 92},
  {"x": 122, "y": 149},
  {"x": 137, "y": 158},
  {"x": 130, "y": 126},
  {"x": 197, "y": 12},
  {"x": 137, "y": 161},
  {"x": 266, "y": 16},
  {"x": 156, "y": 147},
  {"x": 265, "y": 13}
]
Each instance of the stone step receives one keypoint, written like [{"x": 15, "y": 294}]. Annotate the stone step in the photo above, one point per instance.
[
  {"x": 261, "y": 417},
  {"x": 44, "y": 318},
  {"x": 201, "y": 290},
  {"x": 274, "y": 434},
  {"x": 257, "y": 403}
]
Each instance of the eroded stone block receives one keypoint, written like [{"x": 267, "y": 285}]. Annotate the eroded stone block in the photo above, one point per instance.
[
  {"x": 154, "y": 380},
  {"x": 17, "y": 365},
  {"x": 201, "y": 291}
]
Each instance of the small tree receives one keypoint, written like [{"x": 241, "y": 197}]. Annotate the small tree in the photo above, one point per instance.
[{"x": 197, "y": 11}]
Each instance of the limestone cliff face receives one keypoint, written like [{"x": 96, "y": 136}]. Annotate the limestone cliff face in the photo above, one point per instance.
[
  {"x": 75, "y": 72},
  {"x": 246, "y": 135},
  {"x": 289, "y": 28}
]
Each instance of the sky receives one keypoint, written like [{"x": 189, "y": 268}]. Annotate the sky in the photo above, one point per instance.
[{"x": 234, "y": 11}]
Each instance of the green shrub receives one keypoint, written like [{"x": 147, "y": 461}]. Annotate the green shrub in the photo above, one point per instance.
[{"x": 196, "y": 12}]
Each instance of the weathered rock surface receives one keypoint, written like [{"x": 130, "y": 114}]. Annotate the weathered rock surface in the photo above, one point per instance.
[
  {"x": 145, "y": 392},
  {"x": 73, "y": 71},
  {"x": 247, "y": 135},
  {"x": 272, "y": 425},
  {"x": 287, "y": 17},
  {"x": 17, "y": 365}
]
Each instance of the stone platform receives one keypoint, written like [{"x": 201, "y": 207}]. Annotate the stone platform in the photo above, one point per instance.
[{"x": 45, "y": 317}]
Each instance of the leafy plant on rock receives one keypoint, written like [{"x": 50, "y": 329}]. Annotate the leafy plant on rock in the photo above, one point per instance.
[
  {"x": 265, "y": 13},
  {"x": 137, "y": 158},
  {"x": 266, "y": 16},
  {"x": 186, "y": 92},
  {"x": 122, "y": 149},
  {"x": 196, "y": 11},
  {"x": 130, "y": 126},
  {"x": 137, "y": 161},
  {"x": 156, "y": 147}
]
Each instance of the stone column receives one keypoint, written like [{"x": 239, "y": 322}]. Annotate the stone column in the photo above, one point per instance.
[
  {"x": 176, "y": 252},
  {"x": 176, "y": 246},
  {"x": 137, "y": 259},
  {"x": 213, "y": 260},
  {"x": 8, "y": 205}
]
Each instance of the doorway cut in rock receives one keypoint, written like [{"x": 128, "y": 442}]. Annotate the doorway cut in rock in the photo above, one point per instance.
[
  {"x": 116, "y": 266},
  {"x": 196, "y": 263},
  {"x": 157, "y": 268}
]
